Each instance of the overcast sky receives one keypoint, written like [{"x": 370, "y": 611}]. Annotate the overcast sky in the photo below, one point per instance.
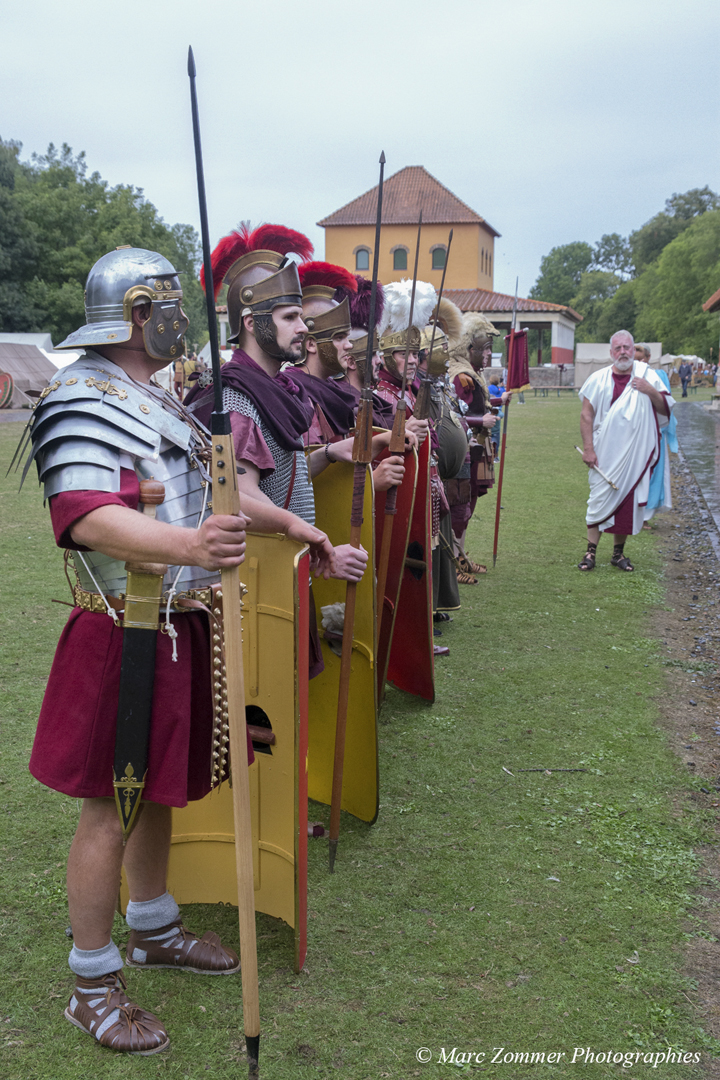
[{"x": 555, "y": 120}]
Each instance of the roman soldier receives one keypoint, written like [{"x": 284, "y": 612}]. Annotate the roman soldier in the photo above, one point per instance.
[
  {"x": 359, "y": 301},
  {"x": 124, "y": 469},
  {"x": 270, "y": 410},
  {"x": 450, "y": 447},
  {"x": 390, "y": 471},
  {"x": 396, "y": 334},
  {"x": 468, "y": 358},
  {"x": 326, "y": 350}
]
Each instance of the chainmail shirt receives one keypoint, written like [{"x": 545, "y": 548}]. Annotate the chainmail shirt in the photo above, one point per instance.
[{"x": 276, "y": 486}]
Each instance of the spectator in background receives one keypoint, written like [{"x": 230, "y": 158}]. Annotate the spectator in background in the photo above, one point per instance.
[
  {"x": 496, "y": 389},
  {"x": 685, "y": 373}
]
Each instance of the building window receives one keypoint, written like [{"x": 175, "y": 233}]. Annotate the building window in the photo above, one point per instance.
[
  {"x": 400, "y": 258},
  {"x": 362, "y": 259},
  {"x": 438, "y": 258}
]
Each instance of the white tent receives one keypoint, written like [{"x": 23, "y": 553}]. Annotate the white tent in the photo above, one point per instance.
[
  {"x": 30, "y": 369},
  {"x": 58, "y": 357}
]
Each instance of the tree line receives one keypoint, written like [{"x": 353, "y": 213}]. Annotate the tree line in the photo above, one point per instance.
[
  {"x": 56, "y": 221},
  {"x": 652, "y": 283}
]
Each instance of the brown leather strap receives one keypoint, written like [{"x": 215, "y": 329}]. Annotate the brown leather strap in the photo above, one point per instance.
[{"x": 292, "y": 482}]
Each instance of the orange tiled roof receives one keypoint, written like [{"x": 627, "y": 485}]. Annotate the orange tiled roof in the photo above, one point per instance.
[
  {"x": 713, "y": 303},
  {"x": 486, "y": 301},
  {"x": 404, "y": 195}
]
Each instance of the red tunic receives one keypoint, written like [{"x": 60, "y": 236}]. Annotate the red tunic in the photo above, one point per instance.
[
  {"x": 623, "y": 525},
  {"x": 75, "y": 740}
]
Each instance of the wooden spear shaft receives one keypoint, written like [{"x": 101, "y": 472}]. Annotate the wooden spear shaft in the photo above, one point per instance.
[
  {"x": 511, "y": 352},
  {"x": 362, "y": 456},
  {"x": 502, "y": 449},
  {"x": 422, "y": 401},
  {"x": 226, "y": 500},
  {"x": 362, "y": 453},
  {"x": 397, "y": 446}
]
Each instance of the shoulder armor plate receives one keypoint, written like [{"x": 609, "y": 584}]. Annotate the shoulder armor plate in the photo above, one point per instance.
[{"x": 87, "y": 418}]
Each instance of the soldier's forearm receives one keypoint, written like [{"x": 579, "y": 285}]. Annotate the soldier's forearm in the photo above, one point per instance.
[
  {"x": 264, "y": 515},
  {"x": 123, "y": 533}
]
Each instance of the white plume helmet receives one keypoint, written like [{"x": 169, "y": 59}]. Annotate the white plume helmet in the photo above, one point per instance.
[{"x": 396, "y": 313}]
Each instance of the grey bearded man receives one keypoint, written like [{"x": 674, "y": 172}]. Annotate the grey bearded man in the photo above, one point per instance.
[
  {"x": 101, "y": 429},
  {"x": 623, "y": 407}
]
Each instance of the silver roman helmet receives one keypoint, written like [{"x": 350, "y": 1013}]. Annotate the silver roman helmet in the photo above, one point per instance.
[{"x": 118, "y": 282}]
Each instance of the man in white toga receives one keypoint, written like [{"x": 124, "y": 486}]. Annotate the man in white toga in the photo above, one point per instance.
[{"x": 623, "y": 408}]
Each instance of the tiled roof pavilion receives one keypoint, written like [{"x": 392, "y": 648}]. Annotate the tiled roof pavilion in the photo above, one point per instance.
[
  {"x": 404, "y": 195},
  {"x": 484, "y": 300}
]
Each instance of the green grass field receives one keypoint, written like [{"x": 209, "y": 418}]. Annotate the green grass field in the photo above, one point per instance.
[{"x": 489, "y": 906}]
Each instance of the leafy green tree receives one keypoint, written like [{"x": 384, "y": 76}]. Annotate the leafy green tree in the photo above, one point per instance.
[
  {"x": 648, "y": 242},
  {"x": 596, "y": 288},
  {"x": 619, "y": 312},
  {"x": 613, "y": 254},
  {"x": 18, "y": 249},
  {"x": 60, "y": 220},
  {"x": 561, "y": 271},
  {"x": 692, "y": 203},
  {"x": 670, "y": 294}
]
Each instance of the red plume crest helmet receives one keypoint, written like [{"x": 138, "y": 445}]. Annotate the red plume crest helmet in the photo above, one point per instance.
[
  {"x": 319, "y": 281},
  {"x": 260, "y": 277}
]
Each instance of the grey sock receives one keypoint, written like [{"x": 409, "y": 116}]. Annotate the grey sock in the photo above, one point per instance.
[
  {"x": 94, "y": 963},
  {"x": 152, "y": 914}
]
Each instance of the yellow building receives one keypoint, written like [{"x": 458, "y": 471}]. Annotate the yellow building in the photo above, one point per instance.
[{"x": 350, "y": 233}]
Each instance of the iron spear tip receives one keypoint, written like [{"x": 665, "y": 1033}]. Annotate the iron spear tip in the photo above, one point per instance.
[
  {"x": 191, "y": 63},
  {"x": 382, "y": 157},
  {"x": 450, "y": 236}
]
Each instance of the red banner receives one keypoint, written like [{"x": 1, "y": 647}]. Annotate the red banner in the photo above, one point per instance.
[{"x": 518, "y": 375}]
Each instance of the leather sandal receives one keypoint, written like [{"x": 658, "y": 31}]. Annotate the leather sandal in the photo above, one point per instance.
[
  {"x": 163, "y": 948},
  {"x": 466, "y": 579},
  {"x": 132, "y": 1030},
  {"x": 623, "y": 563},
  {"x": 587, "y": 562},
  {"x": 469, "y": 567}
]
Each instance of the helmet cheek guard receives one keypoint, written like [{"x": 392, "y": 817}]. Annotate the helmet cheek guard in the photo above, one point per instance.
[
  {"x": 437, "y": 361},
  {"x": 266, "y": 335},
  {"x": 164, "y": 331},
  {"x": 401, "y": 341},
  {"x": 324, "y": 327}
]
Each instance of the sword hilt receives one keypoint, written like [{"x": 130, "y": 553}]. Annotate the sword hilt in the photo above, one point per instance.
[
  {"x": 152, "y": 493},
  {"x": 143, "y": 590}
]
